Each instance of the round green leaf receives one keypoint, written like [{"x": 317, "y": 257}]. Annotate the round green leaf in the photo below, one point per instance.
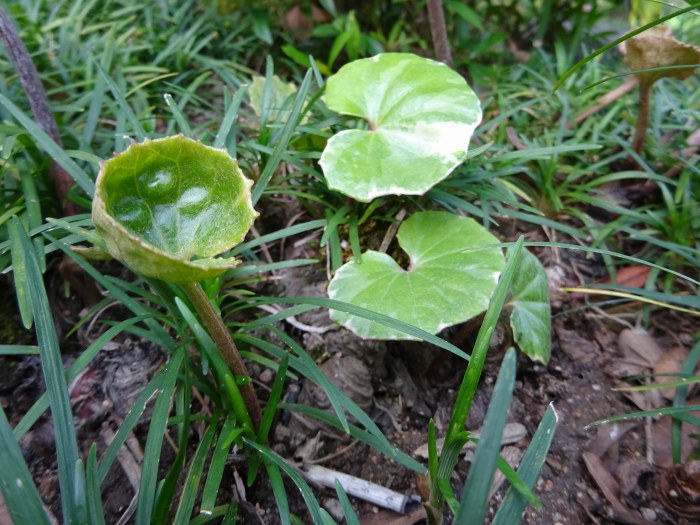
[
  {"x": 166, "y": 207},
  {"x": 450, "y": 279},
  {"x": 531, "y": 318},
  {"x": 421, "y": 116}
]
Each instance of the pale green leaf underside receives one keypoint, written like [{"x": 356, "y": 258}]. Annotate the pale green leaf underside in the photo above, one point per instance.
[
  {"x": 166, "y": 207},
  {"x": 447, "y": 283},
  {"x": 421, "y": 116},
  {"x": 531, "y": 318}
]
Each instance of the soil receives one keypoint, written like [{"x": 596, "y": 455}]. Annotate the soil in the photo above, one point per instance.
[{"x": 593, "y": 474}]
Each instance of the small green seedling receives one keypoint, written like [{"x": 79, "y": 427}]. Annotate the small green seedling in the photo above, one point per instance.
[{"x": 166, "y": 208}]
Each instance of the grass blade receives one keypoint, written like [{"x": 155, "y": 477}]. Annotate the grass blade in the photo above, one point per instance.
[
  {"x": 123, "y": 104},
  {"x": 282, "y": 140},
  {"x": 56, "y": 386},
  {"x": 309, "y": 498},
  {"x": 94, "y": 501},
  {"x": 514, "y": 502},
  {"x": 193, "y": 478},
  {"x": 349, "y": 513},
  {"x": 154, "y": 441},
  {"x": 229, "y": 120},
  {"x": 216, "y": 468},
  {"x": 49, "y": 146},
  {"x": 475, "y": 495},
  {"x": 18, "y": 490}
]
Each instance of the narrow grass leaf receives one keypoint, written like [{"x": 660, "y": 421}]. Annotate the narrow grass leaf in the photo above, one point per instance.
[
  {"x": 215, "y": 472},
  {"x": 21, "y": 496},
  {"x": 94, "y": 500},
  {"x": 49, "y": 146},
  {"x": 178, "y": 115},
  {"x": 194, "y": 477},
  {"x": 19, "y": 350},
  {"x": 56, "y": 386},
  {"x": 467, "y": 389},
  {"x": 280, "y": 493},
  {"x": 154, "y": 441},
  {"x": 282, "y": 140},
  {"x": 349, "y": 513},
  {"x": 514, "y": 502},
  {"x": 306, "y": 492},
  {"x": 229, "y": 119},
  {"x": 19, "y": 275},
  {"x": 123, "y": 104},
  {"x": 475, "y": 494}
]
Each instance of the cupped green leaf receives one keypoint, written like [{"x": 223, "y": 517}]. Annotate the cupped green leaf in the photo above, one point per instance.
[
  {"x": 421, "y": 116},
  {"x": 166, "y": 207},
  {"x": 531, "y": 318},
  {"x": 450, "y": 279}
]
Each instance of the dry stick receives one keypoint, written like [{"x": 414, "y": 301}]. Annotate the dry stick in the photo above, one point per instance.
[
  {"x": 38, "y": 101},
  {"x": 438, "y": 32},
  {"x": 643, "y": 117},
  {"x": 219, "y": 333}
]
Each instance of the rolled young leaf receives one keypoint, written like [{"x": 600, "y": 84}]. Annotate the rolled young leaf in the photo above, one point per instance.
[{"x": 166, "y": 207}]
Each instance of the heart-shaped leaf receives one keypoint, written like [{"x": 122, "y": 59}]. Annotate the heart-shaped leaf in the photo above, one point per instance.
[
  {"x": 421, "y": 116},
  {"x": 166, "y": 207},
  {"x": 531, "y": 318},
  {"x": 450, "y": 278}
]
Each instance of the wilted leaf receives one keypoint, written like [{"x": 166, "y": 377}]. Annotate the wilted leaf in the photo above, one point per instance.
[
  {"x": 531, "y": 318},
  {"x": 657, "y": 47},
  {"x": 449, "y": 279},
  {"x": 421, "y": 116},
  {"x": 166, "y": 207}
]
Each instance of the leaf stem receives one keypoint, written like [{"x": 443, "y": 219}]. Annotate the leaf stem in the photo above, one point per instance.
[{"x": 219, "y": 333}]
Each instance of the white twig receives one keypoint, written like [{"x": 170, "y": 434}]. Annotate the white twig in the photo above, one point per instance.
[{"x": 359, "y": 488}]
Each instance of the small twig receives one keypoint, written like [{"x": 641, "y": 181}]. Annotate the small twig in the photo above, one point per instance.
[
  {"x": 359, "y": 488},
  {"x": 438, "y": 31},
  {"x": 391, "y": 230},
  {"x": 38, "y": 102}
]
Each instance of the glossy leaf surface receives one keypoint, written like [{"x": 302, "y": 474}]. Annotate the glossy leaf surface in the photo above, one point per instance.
[
  {"x": 531, "y": 318},
  {"x": 166, "y": 207},
  {"x": 421, "y": 115},
  {"x": 450, "y": 278}
]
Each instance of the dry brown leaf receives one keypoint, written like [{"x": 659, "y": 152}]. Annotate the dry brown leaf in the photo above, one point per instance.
[
  {"x": 668, "y": 367},
  {"x": 659, "y": 48},
  {"x": 637, "y": 342},
  {"x": 632, "y": 276},
  {"x": 611, "y": 490}
]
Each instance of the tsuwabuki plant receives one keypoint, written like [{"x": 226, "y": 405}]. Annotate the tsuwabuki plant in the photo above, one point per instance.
[{"x": 166, "y": 208}]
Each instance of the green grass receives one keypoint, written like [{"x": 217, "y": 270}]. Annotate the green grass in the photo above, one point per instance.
[{"x": 116, "y": 72}]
